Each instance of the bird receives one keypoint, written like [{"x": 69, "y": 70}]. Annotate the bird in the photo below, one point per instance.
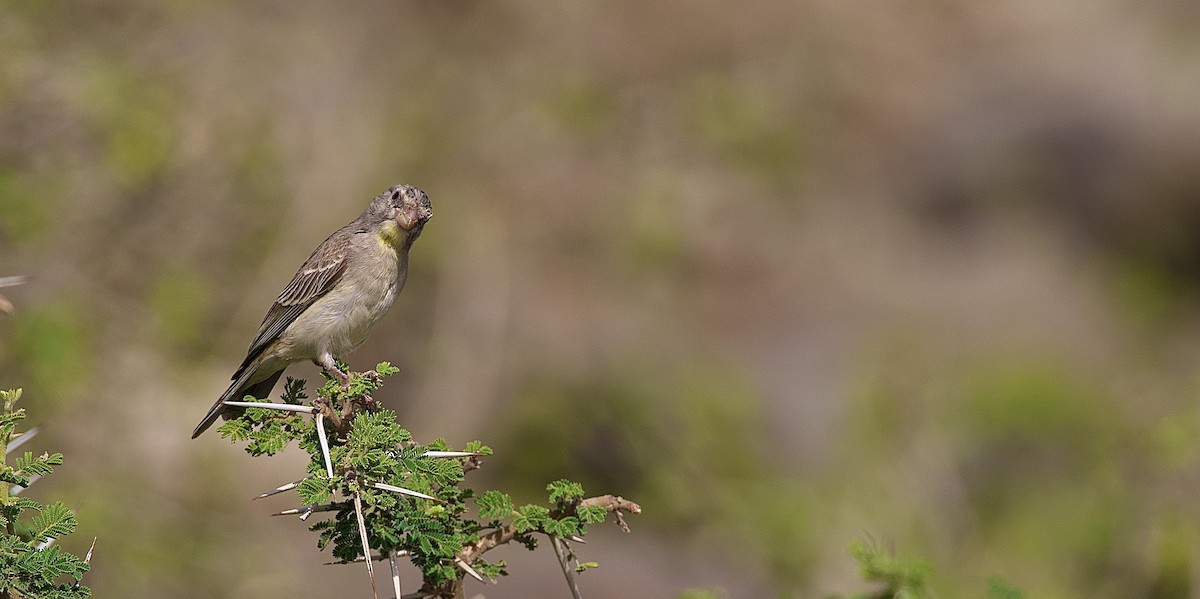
[{"x": 339, "y": 293}]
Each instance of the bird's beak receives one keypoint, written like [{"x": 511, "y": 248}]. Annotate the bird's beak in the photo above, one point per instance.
[
  {"x": 412, "y": 215},
  {"x": 406, "y": 217}
]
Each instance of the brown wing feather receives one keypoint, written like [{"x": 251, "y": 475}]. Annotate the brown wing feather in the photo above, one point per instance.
[{"x": 314, "y": 279}]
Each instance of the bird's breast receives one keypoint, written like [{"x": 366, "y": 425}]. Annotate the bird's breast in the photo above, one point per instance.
[{"x": 340, "y": 320}]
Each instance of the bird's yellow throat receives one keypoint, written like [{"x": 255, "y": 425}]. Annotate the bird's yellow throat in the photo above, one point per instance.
[{"x": 391, "y": 235}]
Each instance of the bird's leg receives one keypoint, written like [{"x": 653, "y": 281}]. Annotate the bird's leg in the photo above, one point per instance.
[{"x": 327, "y": 362}]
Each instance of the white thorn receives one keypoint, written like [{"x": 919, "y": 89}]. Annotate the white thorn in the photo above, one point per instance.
[
  {"x": 25, "y": 436},
  {"x": 324, "y": 443},
  {"x": 395, "y": 572},
  {"x": 281, "y": 489},
  {"x": 468, "y": 569},
  {"x": 287, "y": 407},
  {"x": 325, "y": 507},
  {"x": 403, "y": 491},
  {"x": 362, "y": 531},
  {"x": 451, "y": 454},
  {"x": 377, "y": 557},
  {"x": 13, "y": 281},
  {"x": 44, "y": 544}
]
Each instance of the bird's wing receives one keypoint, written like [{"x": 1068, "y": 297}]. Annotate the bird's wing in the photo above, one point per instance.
[{"x": 315, "y": 278}]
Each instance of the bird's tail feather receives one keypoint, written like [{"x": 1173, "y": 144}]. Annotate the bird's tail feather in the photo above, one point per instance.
[{"x": 236, "y": 391}]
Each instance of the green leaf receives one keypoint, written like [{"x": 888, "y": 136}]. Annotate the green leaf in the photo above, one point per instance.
[
  {"x": 592, "y": 514},
  {"x": 564, "y": 527},
  {"x": 9, "y": 420},
  {"x": 564, "y": 491},
  {"x": 37, "y": 466},
  {"x": 531, "y": 517},
  {"x": 55, "y": 520},
  {"x": 490, "y": 570},
  {"x": 315, "y": 489},
  {"x": 235, "y": 429},
  {"x": 494, "y": 505},
  {"x": 293, "y": 391}
]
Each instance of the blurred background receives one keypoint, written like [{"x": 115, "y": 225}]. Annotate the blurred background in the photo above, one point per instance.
[{"x": 789, "y": 274}]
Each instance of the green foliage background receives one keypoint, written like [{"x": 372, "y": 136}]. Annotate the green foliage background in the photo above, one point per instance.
[
  {"x": 31, "y": 564},
  {"x": 786, "y": 273}
]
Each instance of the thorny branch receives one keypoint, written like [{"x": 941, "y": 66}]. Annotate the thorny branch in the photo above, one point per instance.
[
  {"x": 339, "y": 421},
  {"x": 611, "y": 503},
  {"x": 507, "y": 533}
]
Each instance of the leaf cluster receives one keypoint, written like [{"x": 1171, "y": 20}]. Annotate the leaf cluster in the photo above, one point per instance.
[
  {"x": 30, "y": 566},
  {"x": 565, "y": 517},
  {"x": 267, "y": 432},
  {"x": 434, "y": 534}
]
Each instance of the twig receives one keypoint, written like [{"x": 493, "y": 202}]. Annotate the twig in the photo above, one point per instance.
[
  {"x": 615, "y": 505},
  {"x": 506, "y": 533},
  {"x": 566, "y": 568},
  {"x": 472, "y": 463}
]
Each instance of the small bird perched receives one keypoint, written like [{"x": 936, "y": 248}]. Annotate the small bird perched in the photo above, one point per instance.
[{"x": 341, "y": 291}]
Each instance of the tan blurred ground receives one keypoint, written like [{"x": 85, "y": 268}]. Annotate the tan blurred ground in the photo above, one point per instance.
[{"x": 790, "y": 274}]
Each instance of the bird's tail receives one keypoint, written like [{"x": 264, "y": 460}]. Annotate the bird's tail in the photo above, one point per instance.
[{"x": 236, "y": 391}]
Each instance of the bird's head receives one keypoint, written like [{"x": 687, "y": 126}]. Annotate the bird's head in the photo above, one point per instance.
[{"x": 401, "y": 211}]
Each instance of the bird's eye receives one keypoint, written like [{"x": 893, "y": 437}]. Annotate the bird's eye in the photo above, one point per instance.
[{"x": 395, "y": 195}]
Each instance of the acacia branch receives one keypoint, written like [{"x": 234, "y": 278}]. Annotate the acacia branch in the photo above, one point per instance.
[
  {"x": 505, "y": 534},
  {"x": 351, "y": 406}
]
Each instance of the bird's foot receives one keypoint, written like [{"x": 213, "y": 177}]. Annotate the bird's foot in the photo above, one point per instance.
[
  {"x": 330, "y": 367},
  {"x": 342, "y": 376}
]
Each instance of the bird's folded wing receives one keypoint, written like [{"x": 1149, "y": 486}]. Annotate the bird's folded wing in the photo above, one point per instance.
[{"x": 314, "y": 279}]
